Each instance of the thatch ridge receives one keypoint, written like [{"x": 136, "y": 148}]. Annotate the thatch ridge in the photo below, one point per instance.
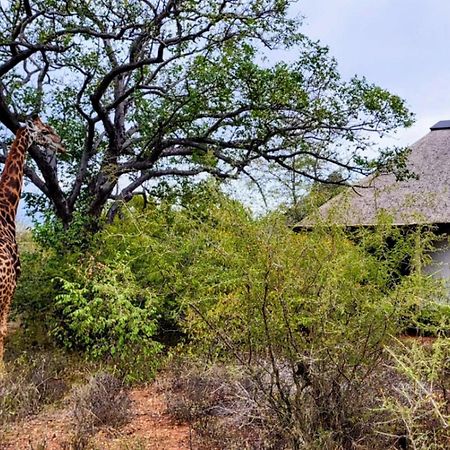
[{"x": 425, "y": 200}]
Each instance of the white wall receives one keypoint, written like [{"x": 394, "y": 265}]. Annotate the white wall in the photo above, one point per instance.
[{"x": 440, "y": 266}]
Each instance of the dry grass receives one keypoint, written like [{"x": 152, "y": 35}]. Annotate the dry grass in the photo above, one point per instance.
[
  {"x": 223, "y": 406},
  {"x": 29, "y": 385},
  {"x": 102, "y": 402}
]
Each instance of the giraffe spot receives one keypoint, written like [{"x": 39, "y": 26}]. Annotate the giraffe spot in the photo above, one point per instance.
[
  {"x": 14, "y": 169},
  {"x": 15, "y": 184},
  {"x": 11, "y": 196}
]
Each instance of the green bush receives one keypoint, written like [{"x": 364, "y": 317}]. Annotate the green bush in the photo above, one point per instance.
[
  {"x": 430, "y": 319},
  {"x": 251, "y": 277},
  {"x": 419, "y": 403},
  {"x": 109, "y": 316},
  {"x": 319, "y": 305},
  {"x": 306, "y": 315},
  {"x": 119, "y": 298}
]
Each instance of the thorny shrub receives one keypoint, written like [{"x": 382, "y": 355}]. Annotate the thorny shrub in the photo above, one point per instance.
[
  {"x": 103, "y": 401},
  {"x": 222, "y": 404},
  {"x": 403, "y": 404},
  {"x": 308, "y": 316},
  {"x": 417, "y": 406}
]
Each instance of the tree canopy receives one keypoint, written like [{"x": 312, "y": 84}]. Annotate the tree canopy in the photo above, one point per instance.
[{"x": 142, "y": 90}]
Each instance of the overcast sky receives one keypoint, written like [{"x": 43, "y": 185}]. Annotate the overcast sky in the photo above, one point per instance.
[{"x": 401, "y": 45}]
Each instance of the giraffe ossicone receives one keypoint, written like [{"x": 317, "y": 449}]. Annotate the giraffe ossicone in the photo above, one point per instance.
[{"x": 11, "y": 180}]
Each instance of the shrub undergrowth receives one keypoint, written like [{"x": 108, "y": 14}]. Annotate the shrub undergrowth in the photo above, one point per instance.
[{"x": 308, "y": 317}]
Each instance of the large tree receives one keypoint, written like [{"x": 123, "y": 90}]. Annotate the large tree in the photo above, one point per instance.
[{"x": 141, "y": 90}]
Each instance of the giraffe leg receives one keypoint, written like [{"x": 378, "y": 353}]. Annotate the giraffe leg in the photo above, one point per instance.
[
  {"x": 2, "y": 338},
  {"x": 7, "y": 288},
  {"x": 3, "y": 330}
]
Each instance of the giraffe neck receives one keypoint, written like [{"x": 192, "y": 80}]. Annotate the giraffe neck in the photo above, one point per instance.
[{"x": 11, "y": 183}]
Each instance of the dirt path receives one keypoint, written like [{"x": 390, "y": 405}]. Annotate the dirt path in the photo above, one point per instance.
[{"x": 150, "y": 427}]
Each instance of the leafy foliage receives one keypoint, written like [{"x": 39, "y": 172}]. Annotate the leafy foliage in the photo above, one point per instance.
[
  {"x": 198, "y": 264},
  {"x": 109, "y": 315},
  {"x": 308, "y": 318}
]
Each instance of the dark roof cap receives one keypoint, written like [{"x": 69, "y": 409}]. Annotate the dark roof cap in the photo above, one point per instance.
[{"x": 441, "y": 125}]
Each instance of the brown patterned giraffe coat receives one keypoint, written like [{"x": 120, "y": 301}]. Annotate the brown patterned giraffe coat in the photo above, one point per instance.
[{"x": 10, "y": 190}]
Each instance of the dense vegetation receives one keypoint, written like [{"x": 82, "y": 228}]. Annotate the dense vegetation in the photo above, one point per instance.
[
  {"x": 269, "y": 338},
  {"x": 311, "y": 319}
]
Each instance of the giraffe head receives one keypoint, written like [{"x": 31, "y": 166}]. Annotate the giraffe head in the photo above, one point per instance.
[{"x": 44, "y": 135}]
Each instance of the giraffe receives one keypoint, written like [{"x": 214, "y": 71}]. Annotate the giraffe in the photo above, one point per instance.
[{"x": 11, "y": 180}]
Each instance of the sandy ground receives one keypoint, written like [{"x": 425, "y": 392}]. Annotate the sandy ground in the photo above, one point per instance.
[{"x": 150, "y": 427}]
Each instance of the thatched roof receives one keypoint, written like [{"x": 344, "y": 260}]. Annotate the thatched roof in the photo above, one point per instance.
[{"x": 414, "y": 201}]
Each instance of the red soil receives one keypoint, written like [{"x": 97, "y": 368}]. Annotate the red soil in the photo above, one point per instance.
[{"x": 150, "y": 427}]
